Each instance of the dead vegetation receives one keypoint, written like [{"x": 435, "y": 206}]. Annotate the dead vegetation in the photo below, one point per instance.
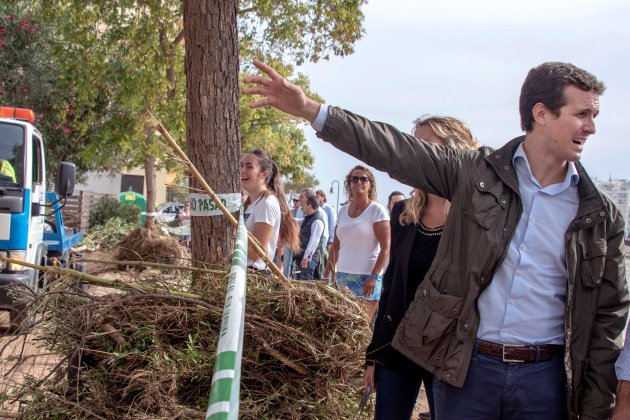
[
  {"x": 150, "y": 245},
  {"x": 148, "y": 351}
]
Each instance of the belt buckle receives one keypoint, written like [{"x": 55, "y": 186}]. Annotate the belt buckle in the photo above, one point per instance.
[{"x": 510, "y": 360}]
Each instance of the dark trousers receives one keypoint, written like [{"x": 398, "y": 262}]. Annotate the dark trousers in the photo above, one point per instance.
[
  {"x": 497, "y": 390},
  {"x": 310, "y": 272},
  {"x": 396, "y": 393}
]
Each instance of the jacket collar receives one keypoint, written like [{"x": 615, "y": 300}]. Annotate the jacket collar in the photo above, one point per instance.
[{"x": 501, "y": 160}]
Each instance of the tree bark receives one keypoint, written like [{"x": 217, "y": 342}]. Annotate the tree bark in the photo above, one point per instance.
[
  {"x": 149, "y": 174},
  {"x": 212, "y": 119}
]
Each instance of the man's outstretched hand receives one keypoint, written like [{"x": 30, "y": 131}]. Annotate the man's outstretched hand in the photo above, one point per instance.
[{"x": 279, "y": 93}]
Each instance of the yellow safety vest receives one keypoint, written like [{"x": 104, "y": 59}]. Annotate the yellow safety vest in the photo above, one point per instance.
[{"x": 6, "y": 169}]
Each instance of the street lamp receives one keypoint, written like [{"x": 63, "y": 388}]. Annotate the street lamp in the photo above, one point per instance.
[{"x": 332, "y": 191}]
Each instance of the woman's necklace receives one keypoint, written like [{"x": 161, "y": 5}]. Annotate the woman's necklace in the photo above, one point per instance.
[{"x": 425, "y": 231}]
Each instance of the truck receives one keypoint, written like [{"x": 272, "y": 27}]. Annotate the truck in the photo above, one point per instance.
[{"x": 31, "y": 223}]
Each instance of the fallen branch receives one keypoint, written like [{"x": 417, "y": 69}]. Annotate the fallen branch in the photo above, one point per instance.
[{"x": 151, "y": 264}]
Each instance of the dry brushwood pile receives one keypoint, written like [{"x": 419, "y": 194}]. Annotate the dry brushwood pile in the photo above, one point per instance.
[
  {"x": 150, "y": 245},
  {"x": 150, "y": 354}
]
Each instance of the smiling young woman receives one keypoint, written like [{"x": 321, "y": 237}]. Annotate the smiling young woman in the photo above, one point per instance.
[{"x": 267, "y": 215}]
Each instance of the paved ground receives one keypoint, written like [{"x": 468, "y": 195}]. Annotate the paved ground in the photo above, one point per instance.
[{"x": 20, "y": 358}]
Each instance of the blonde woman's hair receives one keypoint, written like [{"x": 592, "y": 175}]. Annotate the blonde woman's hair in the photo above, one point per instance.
[{"x": 454, "y": 134}]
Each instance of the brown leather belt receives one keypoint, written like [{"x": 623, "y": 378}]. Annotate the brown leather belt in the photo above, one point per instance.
[{"x": 519, "y": 354}]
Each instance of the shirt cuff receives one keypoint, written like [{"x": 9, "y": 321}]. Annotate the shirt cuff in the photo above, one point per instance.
[
  {"x": 322, "y": 115},
  {"x": 622, "y": 367}
]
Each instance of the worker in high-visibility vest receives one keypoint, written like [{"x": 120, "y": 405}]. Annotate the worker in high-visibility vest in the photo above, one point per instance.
[{"x": 6, "y": 169}]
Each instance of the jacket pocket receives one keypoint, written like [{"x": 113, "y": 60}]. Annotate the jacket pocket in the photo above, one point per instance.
[
  {"x": 432, "y": 325},
  {"x": 593, "y": 260},
  {"x": 486, "y": 205}
]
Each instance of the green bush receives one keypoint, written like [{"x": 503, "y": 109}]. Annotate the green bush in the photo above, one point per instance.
[{"x": 109, "y": 208}]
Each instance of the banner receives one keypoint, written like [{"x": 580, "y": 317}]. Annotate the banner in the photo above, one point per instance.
[
  {"x": 226, "y": 380},
  {"x": 203, "y": 205}
]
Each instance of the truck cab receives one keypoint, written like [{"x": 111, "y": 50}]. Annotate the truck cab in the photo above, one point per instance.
[{"x": 23, "y": 199}]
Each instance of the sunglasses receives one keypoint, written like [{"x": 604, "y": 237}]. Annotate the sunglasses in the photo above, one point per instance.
[
  {"x": 356, "y": 179},
  {"x": 295, "y": 200}
]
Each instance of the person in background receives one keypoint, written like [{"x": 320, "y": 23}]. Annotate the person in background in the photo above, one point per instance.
[
  {"x": 361, "y": 242},
  {"x": 330, "y": 214},
  {"x": 266, "y": 217},
  {"x": 394, "y": 198},
  {"x": 622, "y": 367},
  {"x": 330, "y": 219},
  {"x": 416, "y": 228},
  {"x": 297, "y": 211},
  {"x": 312, "y": 238},
  {"x": 522, "y": 312},
  {"x": 285, "y": 254},
  {"x": 184, "y": 217}
]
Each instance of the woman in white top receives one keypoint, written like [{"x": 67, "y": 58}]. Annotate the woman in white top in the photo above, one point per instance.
[
  {"x": 266, "y": 217},
  {"x": 361, "y": 245}
]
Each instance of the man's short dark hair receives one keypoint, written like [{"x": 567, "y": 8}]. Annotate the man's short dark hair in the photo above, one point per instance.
[
  {"x": 394, "y": 193},
  {"x": 311, "y": 198},
  {"x": 322, "y": 194},
  {"x": 546, "y": 84}
]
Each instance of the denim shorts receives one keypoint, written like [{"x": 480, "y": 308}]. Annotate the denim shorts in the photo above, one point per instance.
[{"x": 355, "y": 283}]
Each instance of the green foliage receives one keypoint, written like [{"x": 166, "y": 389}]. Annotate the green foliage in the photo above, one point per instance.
[
  {"x": 98, "y": 65},
  {"x": 110, "y": 208},
  {"x": 105, "y": 236},
  {"x": 299, "y": 30},
  {"x": 308, "y": 181}
]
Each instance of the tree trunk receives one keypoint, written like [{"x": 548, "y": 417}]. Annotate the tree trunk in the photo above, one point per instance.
[
  {"x": 212, "y": 119},
  {"x": 149, "y": 174}
]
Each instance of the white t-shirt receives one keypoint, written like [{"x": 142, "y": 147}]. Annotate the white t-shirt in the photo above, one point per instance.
[
  {"x": 264, "y": 210},
  {"x": 359, "y": 247}
]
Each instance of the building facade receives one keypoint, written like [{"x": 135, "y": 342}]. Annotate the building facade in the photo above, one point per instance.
[{"x": 619, "y": 191}]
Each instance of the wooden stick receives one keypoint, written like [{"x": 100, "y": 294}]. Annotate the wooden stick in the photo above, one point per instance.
[
  {"x": 150, "y": 264},
  {"x": 252, "y": 239}
]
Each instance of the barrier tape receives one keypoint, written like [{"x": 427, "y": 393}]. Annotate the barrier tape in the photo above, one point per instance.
[{"x": 226, "y": 379}]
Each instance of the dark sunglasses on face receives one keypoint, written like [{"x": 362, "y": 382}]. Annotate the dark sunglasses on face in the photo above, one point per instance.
[
  {"x": 295, "y": 200},
  {"x": 363, "y": 179}
]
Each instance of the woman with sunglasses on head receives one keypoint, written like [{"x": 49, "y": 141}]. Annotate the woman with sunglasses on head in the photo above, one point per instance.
[
  {"x": 416, "y": 228},
  {"x": 361, "y": 245},
  {"x": 267, "y": 215}
]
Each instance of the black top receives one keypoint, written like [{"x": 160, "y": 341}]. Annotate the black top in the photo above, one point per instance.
[{"x": 412, "y": 251}]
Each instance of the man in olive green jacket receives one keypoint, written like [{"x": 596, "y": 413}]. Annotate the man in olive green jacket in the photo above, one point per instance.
[{"x": 529, "y": 274}]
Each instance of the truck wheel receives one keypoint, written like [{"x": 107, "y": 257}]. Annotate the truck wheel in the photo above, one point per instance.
[
  {"x": 42, "y": 276},
  {"x": 81, "y": 267}
]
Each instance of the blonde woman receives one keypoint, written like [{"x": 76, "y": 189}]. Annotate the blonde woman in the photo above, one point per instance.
[{"x": 416, "y": 228}]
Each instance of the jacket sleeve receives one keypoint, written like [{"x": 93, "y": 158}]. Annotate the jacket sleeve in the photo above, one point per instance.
[
  {"x": 610, "y": 320},
  {"x": 433, "y": 168}
]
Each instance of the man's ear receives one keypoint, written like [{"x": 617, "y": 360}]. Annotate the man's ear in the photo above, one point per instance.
[{"x": 541, "y": 113}]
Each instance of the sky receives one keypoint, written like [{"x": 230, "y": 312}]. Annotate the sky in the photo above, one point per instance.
[{"x": 468, "y": 59}]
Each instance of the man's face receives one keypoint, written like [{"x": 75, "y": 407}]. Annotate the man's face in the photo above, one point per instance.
[
  {"x": 320, "y": 200},
  {"x": 395, "y": 199},
  {"x": 303, "y": 201},
  {"x": 566, "y": 134},
  {"x": 296, "y": 203}
]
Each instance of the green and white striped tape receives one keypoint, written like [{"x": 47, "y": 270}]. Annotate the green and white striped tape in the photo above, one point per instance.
[{"x": 226, "y": 380}]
